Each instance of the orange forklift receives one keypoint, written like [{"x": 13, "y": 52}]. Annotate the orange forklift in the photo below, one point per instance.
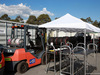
[{"x": 24, "y": 52}]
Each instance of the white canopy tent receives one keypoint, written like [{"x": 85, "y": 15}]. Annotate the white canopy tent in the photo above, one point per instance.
[{"x": 71, "y": 24}]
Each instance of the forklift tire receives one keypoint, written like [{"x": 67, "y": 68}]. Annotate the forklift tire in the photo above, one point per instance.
[
  {"x": 22, "y": 67},
  {"x": 43, "y": 62}
]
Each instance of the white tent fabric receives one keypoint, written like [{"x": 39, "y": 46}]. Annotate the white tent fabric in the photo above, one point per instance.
[{"x": 70, "y": 23}]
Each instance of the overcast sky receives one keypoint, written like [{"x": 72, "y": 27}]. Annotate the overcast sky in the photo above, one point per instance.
[{"x": 54, "y": 8}]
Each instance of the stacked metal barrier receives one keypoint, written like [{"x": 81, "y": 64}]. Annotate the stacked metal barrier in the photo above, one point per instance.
[
  {"x": 66, "y": 51},
  {"x": 74, "y": 65}
]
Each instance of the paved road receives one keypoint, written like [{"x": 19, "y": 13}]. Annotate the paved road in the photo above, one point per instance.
[
  {"x": 37, "y": 70},
  {"x": 40, "y": 69}
]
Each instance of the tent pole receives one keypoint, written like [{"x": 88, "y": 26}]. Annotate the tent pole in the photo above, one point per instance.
[
  {"x": 93, "y": 43},
  {"x": 95, "y": 53},
  {"x": 85, "y": 52},
  {"x": 46, "y": 50}
]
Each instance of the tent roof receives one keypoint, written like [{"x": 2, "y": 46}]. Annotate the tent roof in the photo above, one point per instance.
[{"x": 70, "y": 23}]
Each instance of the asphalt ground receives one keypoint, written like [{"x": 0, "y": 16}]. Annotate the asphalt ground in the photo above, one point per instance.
[{"x": 40, "y": 69}]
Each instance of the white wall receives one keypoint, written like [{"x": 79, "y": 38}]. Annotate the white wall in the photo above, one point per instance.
[{"x": 61, "y": 34}]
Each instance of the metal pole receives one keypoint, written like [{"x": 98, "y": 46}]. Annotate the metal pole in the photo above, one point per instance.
[
  {"x": 46, "y": 51},
  {"x": 95, "y": 52},
  {"x": 55, "y": 57},
  {"x": 32, "y": 34},
  {"x": 25, "y": 29},
  {"x": 93, "y": 43},
  {"x": 17, "y": 31},
  {"x": 70, "y": 61},
  {"x": 6, "y": 33},
  {"x": 54, "y": 61},
  {"x": 60, "y": 62},
  {"x": 96, "y": 60},
  {"x": 85, "y": 52},
  {"x": 21, "y": 34},
  {"x": 73, "y": 62},
  {"x": 46, "y": 60},
  {"x": 12, "y": 32}
]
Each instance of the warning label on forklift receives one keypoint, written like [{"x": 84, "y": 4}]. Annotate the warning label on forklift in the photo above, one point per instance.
[{"x": 32, "y": 61}]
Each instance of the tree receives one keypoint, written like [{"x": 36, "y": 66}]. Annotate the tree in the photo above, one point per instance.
[
  {"x": 99, "y": 24},
  {"x": 43, "y": 18},
  {"x": 95, "y": 23},
  {"x": 56, "y": 18},
  {"x": 5, "y": 17},
  {"x": 19, "y": 19},
  {"x": 89, "y": 20},
  {"x": 32, "y": 20},
  {"x": 83, "y": 19},
  {"x": 13, "y": 20}
]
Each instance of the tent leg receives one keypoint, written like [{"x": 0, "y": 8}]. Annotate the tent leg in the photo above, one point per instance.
[{"x": 85, "y": 52}]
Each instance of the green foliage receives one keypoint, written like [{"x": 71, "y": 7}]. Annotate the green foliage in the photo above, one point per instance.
[
  {"x": 83, "y": 19},
  {"x": 87, "y": 20},
  {"x": 19, "y": 19},
  {"x": 99, "y": 24},
  {"x": 56, "y": 18},
  {"x": 12, "y": 20},
  {"x": 5, "y": 17},
  {"x": 43, "y": 18},
  {"x": 32, "y": 20},
  {"x": 95, "y": 23}
]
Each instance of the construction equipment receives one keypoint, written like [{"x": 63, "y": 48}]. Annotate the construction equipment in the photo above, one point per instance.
[{"x": 24, "y": 52}]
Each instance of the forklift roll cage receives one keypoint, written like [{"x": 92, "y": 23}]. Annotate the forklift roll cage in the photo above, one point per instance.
[{"x": 26, "y": 28}]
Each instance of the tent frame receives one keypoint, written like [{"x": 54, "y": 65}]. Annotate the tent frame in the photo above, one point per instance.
[{"x": 85, "y": 64}]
